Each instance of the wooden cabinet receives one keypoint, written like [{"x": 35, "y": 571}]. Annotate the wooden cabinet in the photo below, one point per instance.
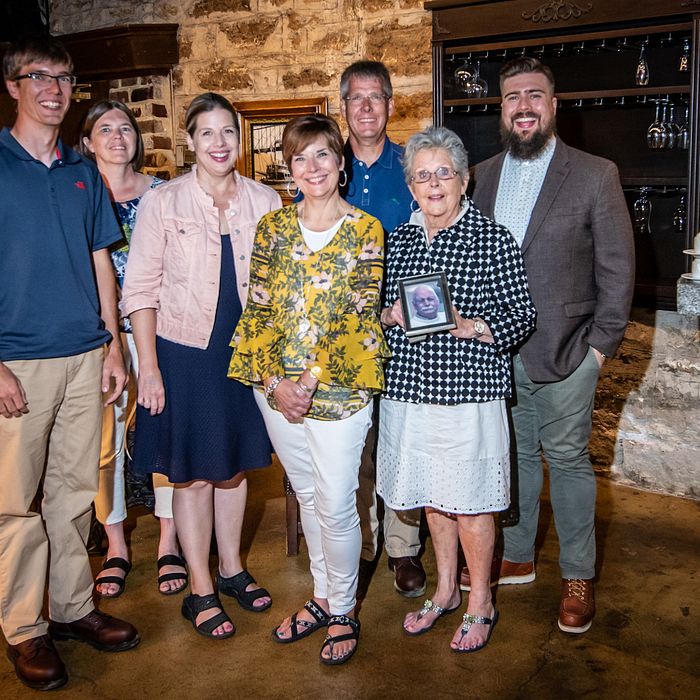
[{"x": 593, "y": 48}]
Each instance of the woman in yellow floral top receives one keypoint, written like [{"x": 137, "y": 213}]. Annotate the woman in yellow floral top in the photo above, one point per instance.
[{"x": 311, "y": 342}]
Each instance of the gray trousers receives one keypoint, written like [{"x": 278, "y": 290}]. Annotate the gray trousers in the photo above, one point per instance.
[{"x": 555, "y": 419}]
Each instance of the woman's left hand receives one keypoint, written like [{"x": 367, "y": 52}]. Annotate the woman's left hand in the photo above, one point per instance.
[{"x": 465, "y": 328}]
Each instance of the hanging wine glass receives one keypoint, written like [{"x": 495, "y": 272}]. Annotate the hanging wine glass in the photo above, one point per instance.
[
  {"x": 641, "y": 76},
  {"x": 656, "y": 136},
  {"x": 480, "y": 88},
  {"x": 685, "y": 56},
  {"x": 680, "y": 217},
  {"x": 673, "y": 125},
  {"x": 667, "y": 124},
  {"x": 464, "y": 75},
  {"x": 683, "y": 139},
  {"x": 642, "y": 213}
]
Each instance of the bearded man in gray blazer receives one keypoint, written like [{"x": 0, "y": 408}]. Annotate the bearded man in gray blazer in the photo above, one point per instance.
[{"x": 567, "y": 210}]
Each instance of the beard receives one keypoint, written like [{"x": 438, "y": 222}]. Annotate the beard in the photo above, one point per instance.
[{"x": 526, "y": 148}]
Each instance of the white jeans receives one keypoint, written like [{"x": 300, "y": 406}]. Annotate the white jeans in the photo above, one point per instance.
[
  {"x": 110, "y": 502},
  {"x": 322, "y": 461}
]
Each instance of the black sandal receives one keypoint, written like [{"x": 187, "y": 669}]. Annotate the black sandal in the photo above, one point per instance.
[
  {"x": 113, "y": 563},
  {"x": 330, "y": 640},
  {"x": 235, "y": 586},
  {"x": 320, "y": 616},
  {"x": 172, "y": 560},
  {"x": 193, "y": 605}
]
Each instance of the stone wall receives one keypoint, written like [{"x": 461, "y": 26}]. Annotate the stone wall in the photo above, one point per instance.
[
  {"x": 279, "y": 49},
  {"x": 647, "y": 416}
]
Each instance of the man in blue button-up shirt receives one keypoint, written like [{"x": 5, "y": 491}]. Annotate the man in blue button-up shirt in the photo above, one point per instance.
[{"x": 375, "y": 183}]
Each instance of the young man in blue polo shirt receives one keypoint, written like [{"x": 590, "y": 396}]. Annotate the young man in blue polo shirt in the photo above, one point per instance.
[
  {"x": 376, "y": 184},
  {"x": 57, "y": 313}
]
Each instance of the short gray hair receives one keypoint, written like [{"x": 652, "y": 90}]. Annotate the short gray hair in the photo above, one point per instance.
[{"x": 431, "y": 138}]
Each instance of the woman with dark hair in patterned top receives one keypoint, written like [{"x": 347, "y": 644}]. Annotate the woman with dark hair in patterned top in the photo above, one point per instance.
[{"x": 443, "y": 431}]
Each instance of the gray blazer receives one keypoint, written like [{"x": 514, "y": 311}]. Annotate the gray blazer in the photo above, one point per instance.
[{"x": 579, "y": 257}]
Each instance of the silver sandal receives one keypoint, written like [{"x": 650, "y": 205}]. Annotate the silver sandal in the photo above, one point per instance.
[
  {"x": 468, "y": 621},
  {"x": 429, "y": 607}
]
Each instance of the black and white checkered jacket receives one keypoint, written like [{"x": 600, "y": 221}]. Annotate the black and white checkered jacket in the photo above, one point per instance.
[{"x": 486, "y": 278}]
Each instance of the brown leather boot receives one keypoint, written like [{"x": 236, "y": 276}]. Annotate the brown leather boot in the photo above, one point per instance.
[{"x": 577, "y": 606}]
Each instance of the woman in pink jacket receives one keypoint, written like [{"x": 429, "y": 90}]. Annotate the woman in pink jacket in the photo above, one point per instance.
[{"x": 186, "y": 284}]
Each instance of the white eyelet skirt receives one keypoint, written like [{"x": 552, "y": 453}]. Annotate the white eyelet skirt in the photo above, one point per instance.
[{"x": 451, "y": 458}]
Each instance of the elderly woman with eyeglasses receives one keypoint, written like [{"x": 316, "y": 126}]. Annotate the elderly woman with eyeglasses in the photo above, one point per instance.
[{"x": 443, "y": 430}]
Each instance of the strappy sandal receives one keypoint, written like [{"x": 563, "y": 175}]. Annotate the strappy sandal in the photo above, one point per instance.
[
  {"x": 320, "y": 616},
  {"x": 235, "y": 586},
  {"x": 330, "y": 640},
  {"x": 193, "y": 605},
  {"x": 172, "y": 560},
  {"x": 113, "y": 563},
  {"x": 430, "y": 607},
  {"x": 468, "y": 621}
]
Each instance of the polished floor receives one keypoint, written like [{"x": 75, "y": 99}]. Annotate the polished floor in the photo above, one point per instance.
[{"x": 644, "y": 643}]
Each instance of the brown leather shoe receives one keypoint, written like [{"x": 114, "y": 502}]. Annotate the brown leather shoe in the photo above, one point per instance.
[
  {"x": 503, "y": 572},
  {"x": 577, "y": 606},
  {"x": 37, "y": 663},
  {"x": 101, "y": 631},
  {"x": 409, "y": 576}
]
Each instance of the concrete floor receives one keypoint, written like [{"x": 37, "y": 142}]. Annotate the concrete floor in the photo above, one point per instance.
[{"x": 645, "y": 640}]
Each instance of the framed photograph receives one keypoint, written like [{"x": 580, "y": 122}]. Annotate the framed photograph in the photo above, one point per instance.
[
  {"x": 426, "y": 304},
  {"x": 262, "y": 124}
]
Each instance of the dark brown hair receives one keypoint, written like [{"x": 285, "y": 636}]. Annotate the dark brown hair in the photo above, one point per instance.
[
  {"x": 98, "y": 110},
  {"x": 33, "y": 49},
  {"x": 525, "y": 64},
  {"x": 301, "y": 131},
  {"x": 208, "y": 102}
]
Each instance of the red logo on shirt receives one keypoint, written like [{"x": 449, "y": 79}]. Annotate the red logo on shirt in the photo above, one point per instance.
[{"x": 80, "y": 184}]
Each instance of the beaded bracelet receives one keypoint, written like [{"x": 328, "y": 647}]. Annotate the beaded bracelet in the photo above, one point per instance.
[{"x": 270, "y": 388}]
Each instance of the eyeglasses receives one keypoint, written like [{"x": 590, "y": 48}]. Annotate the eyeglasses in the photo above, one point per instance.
[
  {"x": 45, "y": 79},
  {"x": 374, "y": 98},
  {"x": 442, "y": 173}
]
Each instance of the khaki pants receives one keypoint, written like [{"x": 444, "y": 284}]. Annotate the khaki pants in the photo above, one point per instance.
[
  {"x": 401, "y": 528},
  {"x": 59, "y": 440}
]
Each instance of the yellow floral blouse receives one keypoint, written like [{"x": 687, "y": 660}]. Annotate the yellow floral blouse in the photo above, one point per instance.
[{"x": 315, "y": 309}]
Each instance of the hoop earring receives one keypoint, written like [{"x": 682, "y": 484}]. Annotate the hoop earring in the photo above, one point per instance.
[
  {"x": 345, "y": 181},
  {"x": 289, "y": 192},
  {"x": 417, "y": 209}
]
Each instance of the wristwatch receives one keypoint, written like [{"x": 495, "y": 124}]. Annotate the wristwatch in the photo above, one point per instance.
[{"x": 479, "y": 328}]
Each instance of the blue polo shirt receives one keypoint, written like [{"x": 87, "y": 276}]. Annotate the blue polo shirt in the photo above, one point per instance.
[
  {"x": 51, "y": 221},
  {"x": 379, "y": 189}
]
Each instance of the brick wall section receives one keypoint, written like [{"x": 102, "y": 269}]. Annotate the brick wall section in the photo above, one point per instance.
[
  {"x": 272, "y": 49},
  {"x": 150, "y": 99}
]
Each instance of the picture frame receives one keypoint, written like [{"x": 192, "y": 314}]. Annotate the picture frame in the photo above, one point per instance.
[
  {"x": 426, "y": 304},
  {"x": 262, "y": 123}
]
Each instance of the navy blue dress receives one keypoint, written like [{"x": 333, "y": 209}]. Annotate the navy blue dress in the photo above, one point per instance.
[{"x": 211, "y": 427}]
